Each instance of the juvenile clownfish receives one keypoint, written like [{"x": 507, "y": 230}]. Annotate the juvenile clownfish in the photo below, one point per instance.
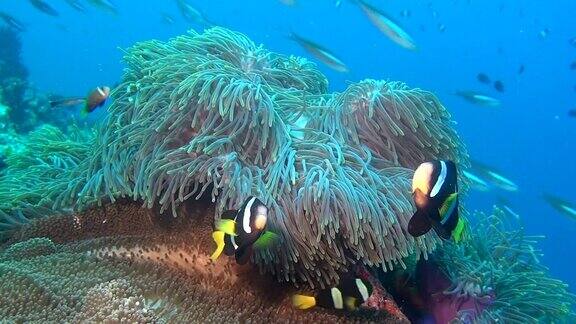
[
  {"x": 238, "y": 232},
  {"x": 350, "y": 294},
  {"x": 435, "y": 193}
]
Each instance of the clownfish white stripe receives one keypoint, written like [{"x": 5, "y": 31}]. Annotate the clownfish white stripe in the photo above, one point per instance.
[
  {"x": 234, "y": 242},
  {"x": 440, "y": 181},
  {"x": 362, "y": 289},
  {"x": 246, "y": 218},
  {"x": 100, "y": 91},
  {"x": 337, "y": 298}
]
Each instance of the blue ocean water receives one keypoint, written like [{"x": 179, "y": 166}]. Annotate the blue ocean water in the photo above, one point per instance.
[{"x": 530, "y": 137}]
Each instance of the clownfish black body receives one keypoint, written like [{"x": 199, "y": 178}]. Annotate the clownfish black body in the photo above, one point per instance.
[
  {"x": 95, "y": 99},
  {"x": 349, "y": 294},
  {"x": 239, "y": 231},
  {"x": 435, "y": 193}
]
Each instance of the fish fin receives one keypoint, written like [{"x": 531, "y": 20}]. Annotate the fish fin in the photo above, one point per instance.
[
  {"x": 441, "y": 231},
  {"x": 459, "y": 232},
  {"x": 229, "y": 249},
  {"x": 447, "y": 206},
  {"x": 227, "y": 226},
  {"x": 243, "y": 254},
  {"x": 350, "y": 303},
  {"x": 419, "y": 224},
  {"x": 84, "y": 112},
  {"x": 218, "y": 237},
  {"x": 303, "y": 301},
  {"x": 266, "y": 240}
]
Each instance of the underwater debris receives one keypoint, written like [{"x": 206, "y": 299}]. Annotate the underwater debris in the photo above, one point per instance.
[{"x": 212, "y": 112}]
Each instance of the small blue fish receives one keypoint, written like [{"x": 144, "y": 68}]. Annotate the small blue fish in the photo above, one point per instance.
[
  {"x": 105, "y": 5},
  {"x": 494, "y": 177},
  {"x": 321, "y": 53},
  {"x": 192, "y": 14},
  {"x": 76, "y": 5},
  {"x": 507, "y": 208},
  {"x": 44, "y": 7},
  {"x": 12, "y": 22},
  {"x": 483, "y": 78},
  {"x": 387, "y": 25},
  {"x": 478, "y": 98},
  {"x": 475, "y": 181},
  {"x": 499, "y": 86},
  {"x": 561, "y": 205}
]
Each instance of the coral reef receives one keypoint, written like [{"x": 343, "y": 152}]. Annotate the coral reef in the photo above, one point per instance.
[
  {"x": 496, "y": 276},
  {"x": 13, "y": 77},
  {"x": 22, "y": 107},
  {"x": 215, "y": 112},
  {"x": 124, "y": 263}
]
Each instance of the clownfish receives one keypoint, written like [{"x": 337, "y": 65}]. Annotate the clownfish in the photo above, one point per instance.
[
  {"x": 238, "y": 232},
  {"x": 435, "y": 193},
  {"x": 349, "y": 294},
  {"x": 96, "y": 98}
]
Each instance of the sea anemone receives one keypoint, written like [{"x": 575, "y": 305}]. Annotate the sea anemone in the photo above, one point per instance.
[
  {"x": 214, "y": 112},
  {"x": 496, "y": 276}
]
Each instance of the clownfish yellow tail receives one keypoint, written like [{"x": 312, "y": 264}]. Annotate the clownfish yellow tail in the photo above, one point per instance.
[
  {"x": 218, "y": 237},
  {"x": 350, "y": 303},
  {"x": 303, "y": 302}
]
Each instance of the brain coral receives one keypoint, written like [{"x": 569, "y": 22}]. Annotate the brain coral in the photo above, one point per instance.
[{"x": 215, "y": 113}]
